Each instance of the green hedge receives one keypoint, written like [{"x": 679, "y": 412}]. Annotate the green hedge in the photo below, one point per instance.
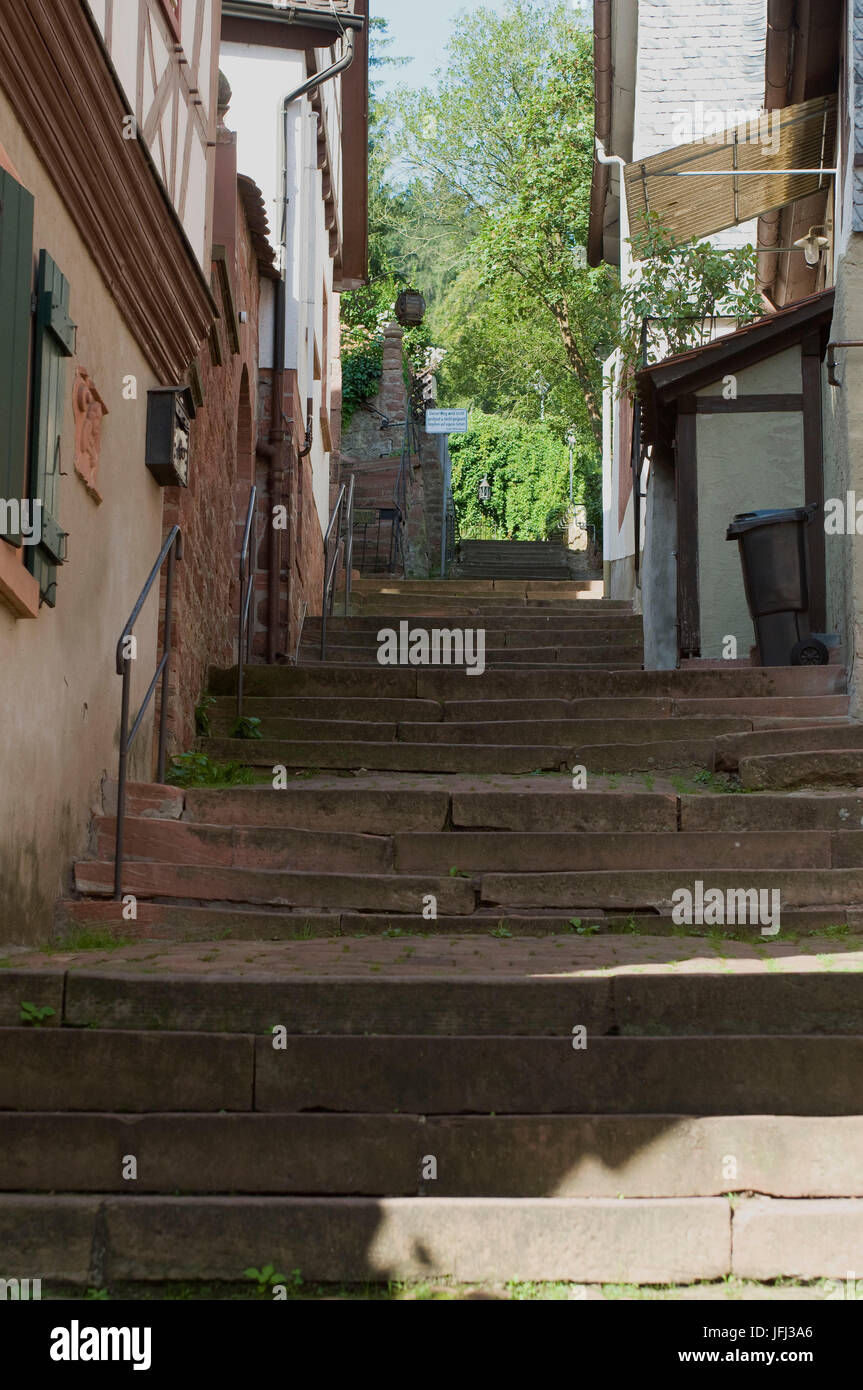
[{"x": 527, "y": 466}]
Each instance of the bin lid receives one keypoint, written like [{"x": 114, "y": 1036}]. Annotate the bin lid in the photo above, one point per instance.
[{"x": 772, "y": 516}]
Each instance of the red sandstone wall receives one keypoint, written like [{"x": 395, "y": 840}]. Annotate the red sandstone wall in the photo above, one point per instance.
[{"x": 211, "y": 510}]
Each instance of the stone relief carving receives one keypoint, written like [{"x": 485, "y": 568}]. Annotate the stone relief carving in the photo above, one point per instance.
[{"x": 89, "y": 410}]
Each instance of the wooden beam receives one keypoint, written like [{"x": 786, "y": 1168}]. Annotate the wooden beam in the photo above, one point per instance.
[
  {"x": 55, "y": 72},
  {"x": 813, "y": 476},
  {"x": 717, "y": 405},
  {"x": 686, "y": 476}
]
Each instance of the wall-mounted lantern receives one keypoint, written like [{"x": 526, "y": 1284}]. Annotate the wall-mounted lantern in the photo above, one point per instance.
[
  {"x": 484, "y": 490},
  {"x": 813, "y": 245},
  {"x": 410, "y": 308},
  {"x": 170, "y": 411}
]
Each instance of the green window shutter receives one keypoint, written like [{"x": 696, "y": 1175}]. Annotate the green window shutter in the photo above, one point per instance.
[
  {"x": 54, "y": 342},
  {"x": 16, "y": 279}
]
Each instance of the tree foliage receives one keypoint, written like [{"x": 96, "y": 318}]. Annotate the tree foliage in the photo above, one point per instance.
[
  {"x": 509, "y": 131},
  {"x": 479, "y": 197},
  {"x": 679, "y": 290}
]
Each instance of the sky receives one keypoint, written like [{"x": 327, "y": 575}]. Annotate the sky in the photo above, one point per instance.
[{"x": 421, "y": 31}]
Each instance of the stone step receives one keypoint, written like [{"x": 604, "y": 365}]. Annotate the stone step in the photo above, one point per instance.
[
  {"x": 565, "y": 733},
  {"x": 820, "y": 811},
  {"x": 95, "y": 1069},
  {"x": 500, "y": 604},
  {"x": 586, "y": 658},
  {"x": 502, "y": 1075},
  {"x": 216, "y": 883},
  {"x": 367, "y": 639},
  {"x": 573, "y": 733},
  {"x": 554, "y": 807},
  {"x": 780, "y": 706},
  {"x": 703, "y": 999},
  {"x": 313, "y": 851},
  {"x": 732, "y": 749},
  {"x": 343, "y": 808},
  {"x": 383, "y": 1155},
  {"x": 132, "y": 1070},
  {"x": 523, "y": 569},
  {"x": 759, "y": 712},
  {"x": 825, "y": 768},
  {"x": 406, "y": 756},
  {"x": 493, "y": 621},
  {"x": 441, "y": 684},
  {"x": 456, "y": 588},
  {"x": 653, "y": 1240},
  {"x": 643, "y": 888},
  {"x": 187, "y": 922},
  {"x": 381, "y": 811},
  {"x": 529, "y": 853},
  {"x": 371, "y": 710}
]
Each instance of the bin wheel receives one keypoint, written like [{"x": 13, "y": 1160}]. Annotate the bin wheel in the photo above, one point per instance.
[{"x": 809, "y": 652}]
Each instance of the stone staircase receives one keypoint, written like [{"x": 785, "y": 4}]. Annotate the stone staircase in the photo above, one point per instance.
[
  {"x": 500, "y": 1057},
  {"x": 549, "y": 560}
]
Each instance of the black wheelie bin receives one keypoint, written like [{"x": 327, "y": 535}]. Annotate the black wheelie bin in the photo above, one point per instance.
[{"x": 774, "y": 556}]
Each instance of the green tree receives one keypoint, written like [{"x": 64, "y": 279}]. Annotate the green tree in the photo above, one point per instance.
[
  {"x": 679, "y": 290},
  {"x": 509, "y": 132}
]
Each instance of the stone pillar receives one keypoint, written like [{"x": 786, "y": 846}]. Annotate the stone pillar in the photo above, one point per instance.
[{"x": 393, "y": 393}]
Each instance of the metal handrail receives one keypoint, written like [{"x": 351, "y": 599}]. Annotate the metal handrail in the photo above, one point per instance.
[
  {"x": 342, "y": 525},
  {"x": 400, "y": 500},
  {"x": 247, "y": 588},
  {"x": 452, "y": 534},
  {"x": 302, "y": 624},
  {"x": 171, "y": 551}
]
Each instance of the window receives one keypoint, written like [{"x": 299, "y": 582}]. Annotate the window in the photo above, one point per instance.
[
  {"x": 54, "y": 341},
  {"x": 16, "y": 274}
]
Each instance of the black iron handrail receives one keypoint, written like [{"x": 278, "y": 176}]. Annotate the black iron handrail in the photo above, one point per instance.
[
  {"x": 342, "y": 527},
  {"x": 247, "y": 588},
  {"x": 171, "y": 551}
]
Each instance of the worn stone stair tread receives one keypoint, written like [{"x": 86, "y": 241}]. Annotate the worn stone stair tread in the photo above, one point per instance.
[
  {"x": 426, "y": 683},
  {"x": 476, "y": 1074},
  {"x": 213, "y": 883},
  {"x": 188, "y": 922},
  {"x": 614, "y": 985},
  {"x": 632, "y": 1155},
  {"x": 643, "y": 887},
  {"x": 651, "y": 1240},
  {"x": 405, "y": 852},
  {"x": 408, "y": 754},
  {"x": 828, "y": 766}
]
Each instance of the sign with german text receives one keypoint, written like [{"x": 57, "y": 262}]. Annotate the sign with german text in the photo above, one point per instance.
[{"x": 446, "y": 422}]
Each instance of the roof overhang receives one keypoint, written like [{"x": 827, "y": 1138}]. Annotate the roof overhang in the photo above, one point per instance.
[
  {"x": 704, "y": 187},
  {"x": 352, "y": 268},
  {"x": 661, "y": 386},
  {"x": 259, "y": 227},
  {"x": 615, "y": 44},
  {"x": 303, "y": 29},
  {"x": 322, "y": 16}
]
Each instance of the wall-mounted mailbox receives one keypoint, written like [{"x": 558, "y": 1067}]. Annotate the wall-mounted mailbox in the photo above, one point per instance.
[{"x": 170, "y": 412}]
